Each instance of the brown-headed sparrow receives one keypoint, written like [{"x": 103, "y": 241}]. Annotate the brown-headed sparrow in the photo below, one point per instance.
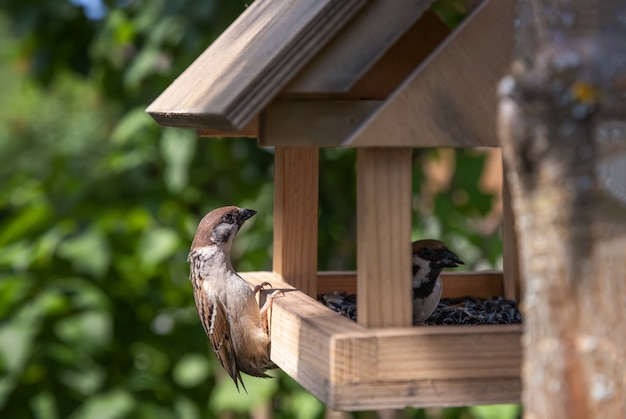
[
  {"x": 429, "y": 258},
  {"x": 228, "y": 310}
]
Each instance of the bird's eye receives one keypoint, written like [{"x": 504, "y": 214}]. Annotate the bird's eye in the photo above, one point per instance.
[{"x": 228, "y": 217}]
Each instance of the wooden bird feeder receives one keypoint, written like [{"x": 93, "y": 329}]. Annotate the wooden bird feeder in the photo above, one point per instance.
[{"x": 384, "y": 78}]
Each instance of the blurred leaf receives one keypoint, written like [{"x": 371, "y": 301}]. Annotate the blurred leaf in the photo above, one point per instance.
[
  {"x": 85, "y": 381},
  {"x": 50, "y": 240},
  {"x": 112, "y": 405},
  {"x": 16, "y": 345},
  {"x": 186, "y": 409},
  {"x": 305, "y": 406},
  {"x": 7, "y": 384},
  {"x": 17, "y": 335},
  {"x": 226, "y": 398},
  {"x": 157, "y": 245},
  {"x": 89, "y": 252},
  {"x": 44, "y": 406},
  {"x": 177, "y": 148},
  {"x": 90, "y": 328},
  {"x": 131, "y": 125},
  {"x": 149, "y": 358},
  {"x": 13, "y": 290},
  {"x": 151, "y": 410},
  {"x": 144, "y": 65},
  {"x": 17, "y": 256},
  {"x": 191, "y": 370},
  {"x": 501, "y": 411},
  {"x": 24, "y": 223}
]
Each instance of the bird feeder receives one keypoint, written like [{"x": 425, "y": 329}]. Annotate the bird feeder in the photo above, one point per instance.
[{"x": 384, "y": 79}]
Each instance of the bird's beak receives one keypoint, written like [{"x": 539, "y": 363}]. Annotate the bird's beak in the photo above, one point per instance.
[
  {"x": 244, "y": 214},
  {"x": 448, "y": 259}
]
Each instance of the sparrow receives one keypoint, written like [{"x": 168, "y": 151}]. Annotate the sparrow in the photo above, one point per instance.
[
  {"x": 237, "y": 329},
  {"x": 429, "y": 258}
]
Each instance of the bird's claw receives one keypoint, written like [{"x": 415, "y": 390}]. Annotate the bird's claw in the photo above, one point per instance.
[
  {"x": 270, "y": 299},
  {"x": 266, "y": 307},
  {"x": 261, "y": 286}
]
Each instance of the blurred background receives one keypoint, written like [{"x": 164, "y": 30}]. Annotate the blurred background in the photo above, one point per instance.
[{"x": 99, "y": 204}]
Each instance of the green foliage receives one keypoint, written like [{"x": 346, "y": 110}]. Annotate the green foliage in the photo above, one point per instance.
[{"x": 98, "y": 205}]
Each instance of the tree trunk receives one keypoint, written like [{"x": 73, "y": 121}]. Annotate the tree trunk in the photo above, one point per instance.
[{"x": 565, "y": 151}]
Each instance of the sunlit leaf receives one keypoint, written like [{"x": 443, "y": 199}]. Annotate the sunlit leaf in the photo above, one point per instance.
[
  {"x": 12, "y": 290},
  {"x": 16, "y": 337},
  {"x": 177, "y": 149},
  {"x": 157, "y": 245},
  {"x": 226, "y": 398},
  {"x": 186, "y": 408},
  {"x": 16, "y": 345},
  {"x": 112, "y": 405},
  {"x": 49, "y": 241},
  {"x": 149, "y": 358},
  {"x": 304, "y": 405},
  {"x": 89, "y": 252},
  {"x": 90, "y": 328},
  {"x": 191, "y": 370},
  {"x": 18, "y": 255},
  {"x": 24, "y": 223},
  {"x": 144, "y": 64},
  {"x": 44, "y": 406},
  {"x": 501, "y": 411},
  {"x": 86, "y": 381},
  {"x": 128, "y": 129}
]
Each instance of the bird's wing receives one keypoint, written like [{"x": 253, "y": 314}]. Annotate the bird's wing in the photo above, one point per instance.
[{"x": 216, "y": 324}]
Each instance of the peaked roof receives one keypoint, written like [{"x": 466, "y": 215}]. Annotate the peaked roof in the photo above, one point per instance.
[{"x": 228, "y": 84}]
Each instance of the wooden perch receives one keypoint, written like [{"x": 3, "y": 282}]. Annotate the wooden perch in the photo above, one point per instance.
[{"x": 350, "y": 367}]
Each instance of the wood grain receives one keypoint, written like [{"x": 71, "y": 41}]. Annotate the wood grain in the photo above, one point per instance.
[
  {"x": 228, "y": 84},
  {"x": 400, "y": 61},
  {"x": 450, "y": 99},
  {"x": 384, "y": 236},
  {"x": 483, "y": 284},
  {"x": 350, "y": 367},
  {"x": 510, "y": 256},
  {"x": 319, "y": 123},
  {"x": 296, "y": 181},
  {"x": 427, "y": 393},
  {"x": 251, "y": 131},
  {"x": 357, "y": 46}
]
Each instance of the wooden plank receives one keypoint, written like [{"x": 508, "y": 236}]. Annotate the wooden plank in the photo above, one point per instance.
[
  {"x": 510, "y": 256},
  {"x": 358, "y": 46},
  {"x": 483, "y": 284},
  {"x": 427, "y": 393},
  {"x": 251, "y": 131},
  {"x": 384, "y": 237},
  {"x": 495, "y": 352},
  {"x": 450, "y": 100},
  {"x": 349, "y": 367},
  {"x": 415, "y": 46},
  {"x": 301, "y": 334},
  {"x": 250, "y": 62},
  {"x": 336, "y": 281},
  {"x": 296, "y": 181},
  {"x": 319, "y": 123}
]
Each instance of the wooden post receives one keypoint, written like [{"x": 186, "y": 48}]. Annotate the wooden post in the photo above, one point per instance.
[
  {"x": 384, "y": 237},
  {"x": 510, "y": 257},
  {"x": 296, "y": 181}
]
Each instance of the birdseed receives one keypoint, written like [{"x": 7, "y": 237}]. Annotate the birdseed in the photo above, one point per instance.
[{"x": 449, "y": 311}]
